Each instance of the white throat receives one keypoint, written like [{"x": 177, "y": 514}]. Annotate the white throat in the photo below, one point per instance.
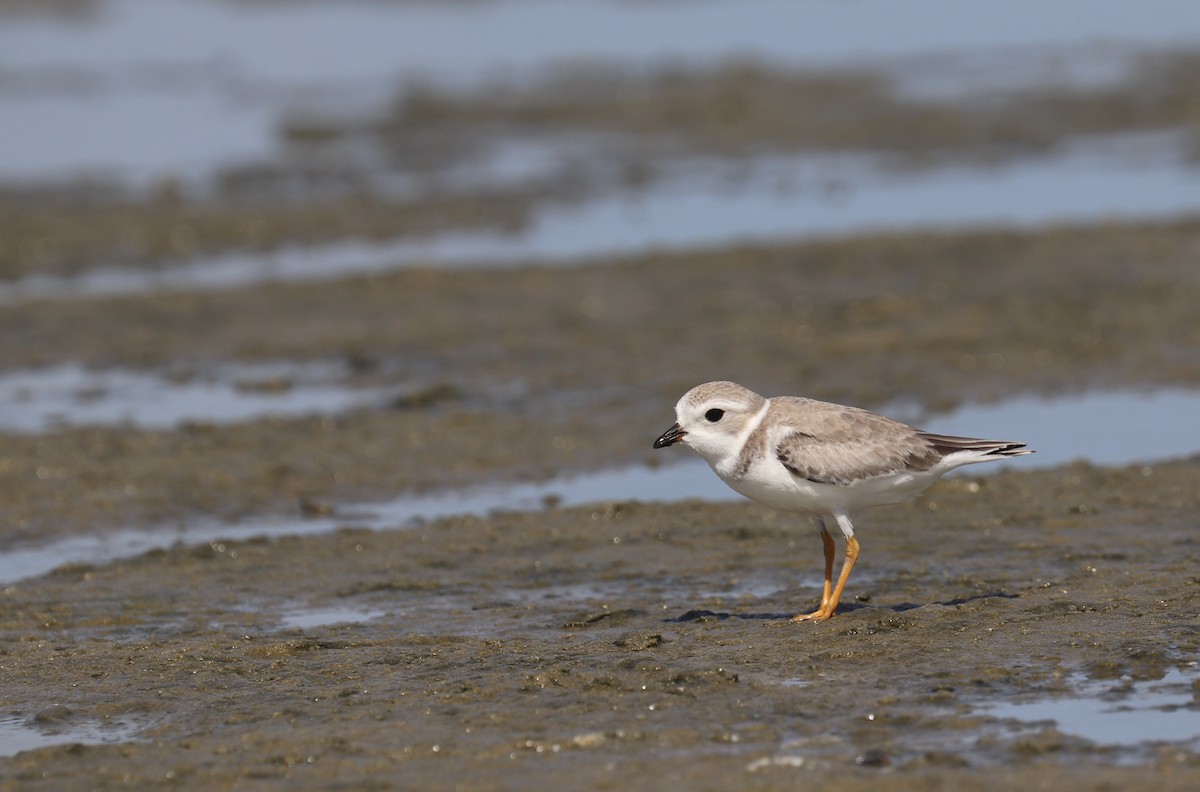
[{"x": 725, "y": 465}]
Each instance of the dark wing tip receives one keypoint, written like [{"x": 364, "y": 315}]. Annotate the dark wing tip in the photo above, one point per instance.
[{"x": 948, "y": 444}]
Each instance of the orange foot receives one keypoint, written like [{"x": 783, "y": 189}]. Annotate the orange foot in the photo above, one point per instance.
[
  {"x": 820, "y": 614},
  {"x": 830, "y": 599}
]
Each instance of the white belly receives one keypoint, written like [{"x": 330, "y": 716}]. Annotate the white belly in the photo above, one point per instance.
[{"x": 774, "y": 486}]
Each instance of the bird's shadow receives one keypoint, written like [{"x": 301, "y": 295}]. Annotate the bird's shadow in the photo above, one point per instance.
[{"x": 708, "y": 615}]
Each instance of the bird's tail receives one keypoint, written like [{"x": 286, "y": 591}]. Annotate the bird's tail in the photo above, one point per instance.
[{"x": 948, "y": 444}]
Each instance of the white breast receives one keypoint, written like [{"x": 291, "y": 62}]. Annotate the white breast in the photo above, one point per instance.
[{"x": 768, "y": 482}]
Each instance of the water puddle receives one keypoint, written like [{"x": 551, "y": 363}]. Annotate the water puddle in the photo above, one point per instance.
[
  {"x": 689, "y": 480},
  {"x": 713, "y": 202},
  {"x": 1130, "y": 717},
  {"x": 70, "y": 395},
  {"x": 117, "y": 91},
  {"x": 1124, "y": 713},
  {"x": 308, "y": 618},
  {"x": 1061, "y": 430},
  {"x": 19, "y": 734}
]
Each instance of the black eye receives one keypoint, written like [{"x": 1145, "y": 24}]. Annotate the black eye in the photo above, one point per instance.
[{"x": 714, "y": 415}]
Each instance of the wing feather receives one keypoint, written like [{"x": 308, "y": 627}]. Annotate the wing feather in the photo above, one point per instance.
[{"x": 831, "y": 444}]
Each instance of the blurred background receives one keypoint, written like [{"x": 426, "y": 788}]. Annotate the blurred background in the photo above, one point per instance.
[
  {"x": 217, "y": 143},
  {"x": 388, "y": 245},
  {"x": 280, "y": 277}
]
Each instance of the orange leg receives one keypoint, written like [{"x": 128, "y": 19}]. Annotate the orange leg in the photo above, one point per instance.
[
  {"x": 829, "y": 602},
  {"x": 830, "y": 549},
  {"x": 847, "y": 565}
]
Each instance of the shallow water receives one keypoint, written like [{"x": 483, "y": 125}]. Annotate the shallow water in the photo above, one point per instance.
[
  {"x": 639, "y": 483},
  {"x": 534, "y": 645},
  {"x": 711, "y": 202},
  {"x": 1124, "y": 713},
  {"x": 778, "y": 198},
  {"x": 44, "y": 399},
  {"x": 132, "y": 137},
  {"x": 19, "y": 734},
  {"x": 1139, "y": 427},
  {"x": 258, "y": 42},
  {"x": 117, "y": 93},
  {"x": 1104, "y": 428},
  {"x": 307, "y": 618}
]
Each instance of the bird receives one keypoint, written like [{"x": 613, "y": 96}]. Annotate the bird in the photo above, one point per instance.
[{"x": 796, "y": 454}]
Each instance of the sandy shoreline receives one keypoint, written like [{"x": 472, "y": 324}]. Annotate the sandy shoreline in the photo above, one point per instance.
[
  {"x": 621, "y": 644},
  {"x": 627, "y": 641},
  {"x": 531, "y": 373},
  {"x": 611, "y": 640}
]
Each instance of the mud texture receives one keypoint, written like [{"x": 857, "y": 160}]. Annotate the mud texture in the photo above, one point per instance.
[
  {"x": 528, "y": 373},
  {"x": 622, "y": 645},
  {"x": 626, "y": 645}
]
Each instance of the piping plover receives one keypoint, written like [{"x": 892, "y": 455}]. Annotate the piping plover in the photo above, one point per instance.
[{"x": 802, "y": 455}]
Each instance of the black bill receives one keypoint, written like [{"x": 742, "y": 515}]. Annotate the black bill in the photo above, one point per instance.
[{"x": 669, "y": 437}]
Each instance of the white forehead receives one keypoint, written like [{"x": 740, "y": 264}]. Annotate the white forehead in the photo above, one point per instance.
[{"x": 720, "y": 393}]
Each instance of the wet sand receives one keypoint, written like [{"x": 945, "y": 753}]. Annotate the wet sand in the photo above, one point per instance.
[
  {"x": 528, "y": 373},
  {"x": 626, "y": 644},
  {"x": 621, "y": 645}
]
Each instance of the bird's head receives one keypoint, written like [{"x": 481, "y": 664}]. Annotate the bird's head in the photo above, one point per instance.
[{"x": 711, "y": 419}]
